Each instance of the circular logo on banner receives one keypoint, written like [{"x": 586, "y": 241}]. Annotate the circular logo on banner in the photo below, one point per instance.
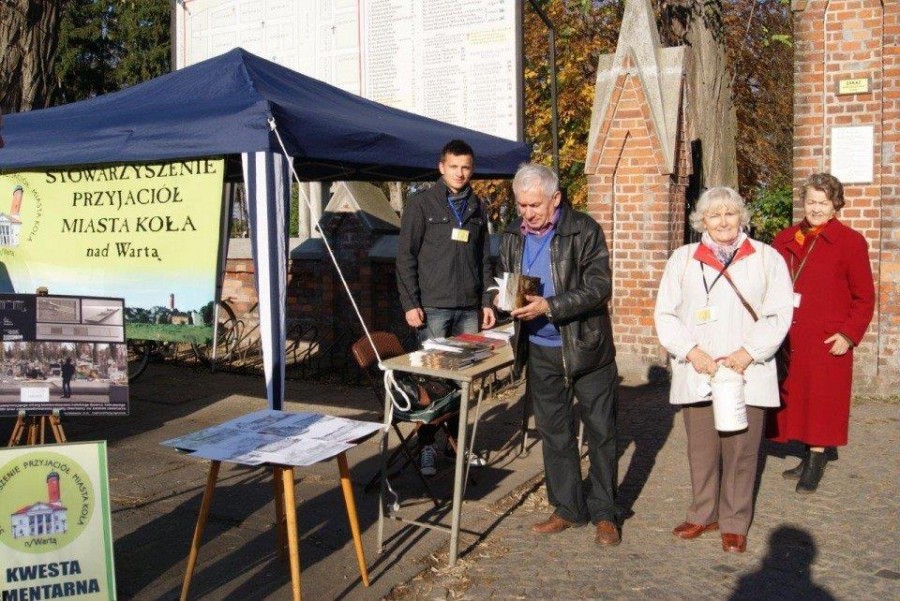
[{"x": 46, "y": 501}]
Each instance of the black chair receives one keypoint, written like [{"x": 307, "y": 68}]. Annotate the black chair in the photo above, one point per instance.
[{"x": 388, "y": 346}]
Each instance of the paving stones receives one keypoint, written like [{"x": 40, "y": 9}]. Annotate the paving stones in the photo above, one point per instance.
[{"x": 840, "y": 543}]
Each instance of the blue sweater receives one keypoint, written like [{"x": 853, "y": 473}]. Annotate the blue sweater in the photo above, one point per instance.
[{"x": 536, "y": 262}]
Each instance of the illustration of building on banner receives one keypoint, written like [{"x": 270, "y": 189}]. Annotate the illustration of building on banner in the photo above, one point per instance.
[
  {"x": 11, "y": 223},
  {"x": 42, "y": 518}
]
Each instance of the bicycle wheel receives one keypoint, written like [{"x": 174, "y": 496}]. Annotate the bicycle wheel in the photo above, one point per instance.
[
  {"x": 138, "y": 357},
  {"x": 228, "y": 336}
]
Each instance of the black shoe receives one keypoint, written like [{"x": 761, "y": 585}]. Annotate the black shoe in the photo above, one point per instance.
[
  {"x": 815, "y": 467},
  {"x": 795, "y": 472}
]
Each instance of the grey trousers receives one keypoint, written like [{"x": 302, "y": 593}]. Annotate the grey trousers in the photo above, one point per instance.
[{"x": 724, "y": 494}]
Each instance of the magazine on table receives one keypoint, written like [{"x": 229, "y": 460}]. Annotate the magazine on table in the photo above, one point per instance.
[
  {"x": 455, "y": 345},
  {"x": 505, "y": 334}
]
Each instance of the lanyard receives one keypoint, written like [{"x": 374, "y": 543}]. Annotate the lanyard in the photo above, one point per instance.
[
  {"x": 796, "y": 274},
  {"x": 457, "y": 214},
  {"x": 530, "y": 261},
  {"x": 720, "y": 274}
]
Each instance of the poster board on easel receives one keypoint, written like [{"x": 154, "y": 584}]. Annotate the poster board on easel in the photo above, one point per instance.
[
  {"x": 62, "y": 355},
  {"x": 55, "y": 528}
]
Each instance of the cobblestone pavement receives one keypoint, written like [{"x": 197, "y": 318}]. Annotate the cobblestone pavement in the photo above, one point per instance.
[{"x": 840, "y": 543}]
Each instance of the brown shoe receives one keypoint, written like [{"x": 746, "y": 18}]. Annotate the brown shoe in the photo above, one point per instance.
[
  {"x": 689, "y": 531},
  {"x": 607, "y": 534},
  {"x": 734, "y": 543},
  {"x": 554, "y": 524}
]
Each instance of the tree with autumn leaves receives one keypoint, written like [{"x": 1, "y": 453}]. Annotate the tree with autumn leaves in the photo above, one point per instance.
[{"x": 755, "y": 37}]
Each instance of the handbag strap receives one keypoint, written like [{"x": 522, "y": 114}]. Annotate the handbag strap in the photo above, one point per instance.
[{"x": 740, "y": 296}]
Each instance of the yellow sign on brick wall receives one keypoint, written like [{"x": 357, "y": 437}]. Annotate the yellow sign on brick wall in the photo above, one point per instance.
[{"x": 860, "y": 85}]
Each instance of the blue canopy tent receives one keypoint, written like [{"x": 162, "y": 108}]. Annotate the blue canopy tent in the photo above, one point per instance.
[{"x": 233, "y": 105}]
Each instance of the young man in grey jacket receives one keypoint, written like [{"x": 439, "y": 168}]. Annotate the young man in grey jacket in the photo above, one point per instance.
[{"x": 443, "y": 262}]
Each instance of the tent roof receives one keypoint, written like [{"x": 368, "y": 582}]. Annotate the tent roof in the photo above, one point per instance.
[{"x": 221, "y": 106}]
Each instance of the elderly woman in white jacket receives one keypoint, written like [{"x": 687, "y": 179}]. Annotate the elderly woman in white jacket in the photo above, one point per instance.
[{"x": 726, "y": 300}]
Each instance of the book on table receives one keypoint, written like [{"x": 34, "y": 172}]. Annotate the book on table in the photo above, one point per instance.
[
  {"x": 483, "y": 338},
  {"x": 438, "y": 359}
]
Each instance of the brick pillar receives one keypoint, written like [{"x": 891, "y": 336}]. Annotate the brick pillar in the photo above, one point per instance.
[
  {"x": 848, "y": 39},
  {"x": 639, "y": 201},
  {"x": 889, "y": 258}
]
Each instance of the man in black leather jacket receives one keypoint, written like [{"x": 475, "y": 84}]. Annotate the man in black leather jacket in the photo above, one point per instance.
[{"x": 564, "y": 336}]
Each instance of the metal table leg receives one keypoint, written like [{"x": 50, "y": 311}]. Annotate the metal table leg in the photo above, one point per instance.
[{"x": 458, "y": 472}]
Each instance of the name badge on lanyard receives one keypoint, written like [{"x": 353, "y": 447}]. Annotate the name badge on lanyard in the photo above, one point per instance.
[
  {"x": 459, "y": 235},
  {"x": 706, "y": 315}
]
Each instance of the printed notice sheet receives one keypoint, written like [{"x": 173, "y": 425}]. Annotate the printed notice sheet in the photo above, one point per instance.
[{"x": 277, "y": 437}]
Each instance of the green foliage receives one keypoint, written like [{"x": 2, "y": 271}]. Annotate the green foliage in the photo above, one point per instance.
[
  {"x": 293, "y": 217},
  {"x": 772, "y": 209},
  {"x": 207, "y": 311},
  {"x": 84, "y": 67},
  {"x": 141, "y": 35},
  {"x": 106, "y": 45}
]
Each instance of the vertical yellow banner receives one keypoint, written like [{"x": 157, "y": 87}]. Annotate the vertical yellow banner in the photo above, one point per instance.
[{"x": 55, "y": 530}]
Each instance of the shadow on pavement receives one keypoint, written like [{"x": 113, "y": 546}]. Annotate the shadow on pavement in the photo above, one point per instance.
[
  {"x": 322, "y": 524},
  {"x": 156, "y": 492},
  {"x": 786, "y": 570},
  {"x": 645, "y": 420}
]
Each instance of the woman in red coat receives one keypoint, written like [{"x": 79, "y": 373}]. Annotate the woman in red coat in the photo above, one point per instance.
[{"x": 834, "y": 298}]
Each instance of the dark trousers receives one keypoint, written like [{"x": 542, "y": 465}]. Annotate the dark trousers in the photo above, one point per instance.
[
  {"x": 554, "y": 415},
  {"x": 440, "y": 323}
]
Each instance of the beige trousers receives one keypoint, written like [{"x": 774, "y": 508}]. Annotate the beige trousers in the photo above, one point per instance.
[{"x": 724, "y": 495}]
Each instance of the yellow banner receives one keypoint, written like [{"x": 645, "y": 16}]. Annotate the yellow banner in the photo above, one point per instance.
[{"x": 148, "y": 233}]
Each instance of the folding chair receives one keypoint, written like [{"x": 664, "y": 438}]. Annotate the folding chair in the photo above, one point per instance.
[{"x": 389, "y": 346}]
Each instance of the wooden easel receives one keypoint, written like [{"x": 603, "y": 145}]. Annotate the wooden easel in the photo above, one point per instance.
[
  {"x": 34, "y": 428},
  {"x": 285, "y": 519}
]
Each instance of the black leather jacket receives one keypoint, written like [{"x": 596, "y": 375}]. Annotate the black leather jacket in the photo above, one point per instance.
[{"x": 579, "y": 262}]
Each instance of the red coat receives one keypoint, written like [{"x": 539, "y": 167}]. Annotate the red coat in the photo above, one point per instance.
[{"x": 837, "y": 295}]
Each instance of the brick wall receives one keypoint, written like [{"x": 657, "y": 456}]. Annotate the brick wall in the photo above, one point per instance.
[
  {"x": 847, "y": 39},
  {"x": 239, "y": 291},
  {"x": 387, "y": 312},
  {"x": 315, "y": 294},
  {"x": 641, "y": 209}
]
